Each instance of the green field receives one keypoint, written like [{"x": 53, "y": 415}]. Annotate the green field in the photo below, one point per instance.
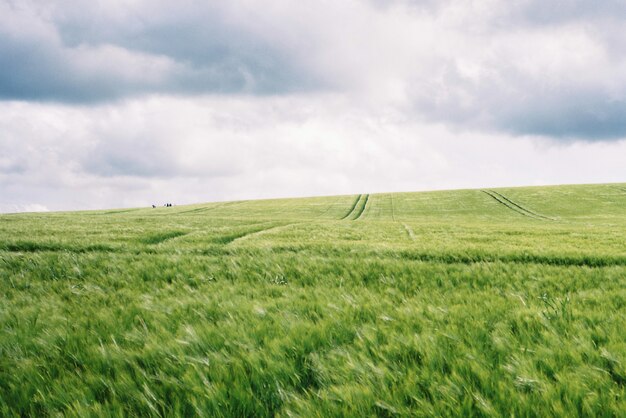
[{"x": 498, "y": 302}]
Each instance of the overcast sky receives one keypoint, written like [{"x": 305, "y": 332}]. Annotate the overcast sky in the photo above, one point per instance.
[{"x": 118, "y": 103}]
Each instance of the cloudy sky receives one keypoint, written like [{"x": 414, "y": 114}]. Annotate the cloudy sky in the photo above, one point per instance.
[{"x": 119, "y": 103}]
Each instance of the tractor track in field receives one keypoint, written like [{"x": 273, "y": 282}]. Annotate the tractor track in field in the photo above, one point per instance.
[
  {"x": 198, "y": 210},
  {"x": 158, "y": 238},
  {"x": 358, "y": 208},
  {"x": 193, "y": 211},
  {"x": 113, "y": 212},
  {"x": 500, "y": 198},
  {"x": 356, "y": 202},
  {"x": 539, "y": 215},
  {"x": 362, "y": 209},
  {"x": 205, "y": 209},
  {"x": 257, "y": 232}
]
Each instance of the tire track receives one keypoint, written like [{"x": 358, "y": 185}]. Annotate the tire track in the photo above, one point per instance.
[
  {"x": 500, "y": 198},
  {"x": 113, "y": 212},
  {"x": 356, "y": 202},
  {"x": 206, "y": 209},
  {"x": 192, "y": 211},
  {"x": 362, "y": 209},
  {"x": 158, "y": 238},
  {"x": 524, "y": 208},
  {"x": 257, "y": 232},
  {"x": 506, "y": 204}
]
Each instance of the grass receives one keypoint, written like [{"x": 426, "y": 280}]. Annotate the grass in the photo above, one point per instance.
[{"x": 507, "y": 302}]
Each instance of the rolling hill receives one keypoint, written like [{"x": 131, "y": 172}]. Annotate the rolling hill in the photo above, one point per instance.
[{"x": 469, "y": 302}]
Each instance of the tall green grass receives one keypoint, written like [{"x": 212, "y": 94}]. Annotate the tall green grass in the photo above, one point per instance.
[{"x": 281, "y": 308}]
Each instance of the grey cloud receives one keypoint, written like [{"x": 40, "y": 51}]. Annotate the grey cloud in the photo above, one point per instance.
[
  {"x": 194, "y": 52},
  {"x": 32, "y": 71},
  {"x": 217, "y": 53},
  {"x": 191, "y": 33},
  {"x": 546, "y": 12},
  {"x": 521, "y": 12},
  {"x": 475, "y": 65},
  {"x": 10, "y": 166},
  {"x": 522, "y": 105},
  {"x": 579, "y": 116},
  {"x": 565, "y": 80}
]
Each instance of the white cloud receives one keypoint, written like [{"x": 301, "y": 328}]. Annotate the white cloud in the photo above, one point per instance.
[
  {"x": 519, "y": 67},
  {"x": 210, "y": 148},
  {"x": 115, "y": 103}
]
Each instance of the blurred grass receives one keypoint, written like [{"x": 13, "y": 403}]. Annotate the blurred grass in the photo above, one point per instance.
[{"x": 439, "y": 303}]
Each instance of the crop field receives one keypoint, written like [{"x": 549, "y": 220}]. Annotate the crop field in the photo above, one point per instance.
[{"x": 495, "y": 302}]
